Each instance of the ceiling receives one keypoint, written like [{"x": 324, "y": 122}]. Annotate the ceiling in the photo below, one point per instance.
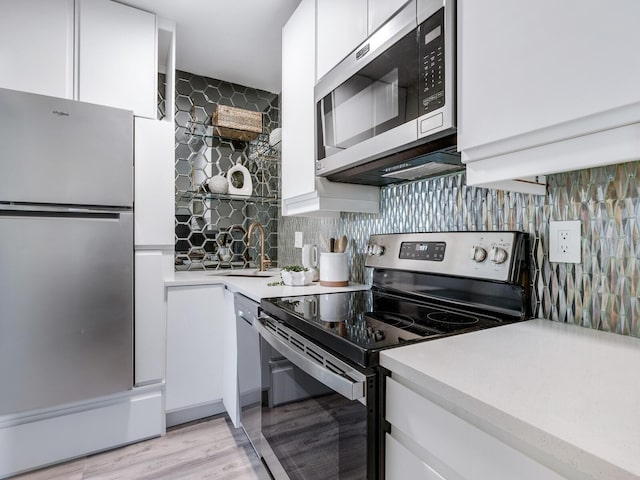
[{"x": 234, "y": 40}]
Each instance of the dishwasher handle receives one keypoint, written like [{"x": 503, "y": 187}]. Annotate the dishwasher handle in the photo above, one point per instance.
[{"x": 312, "y": 359}]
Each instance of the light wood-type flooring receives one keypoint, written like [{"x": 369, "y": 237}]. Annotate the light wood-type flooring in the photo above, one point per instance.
[{"x": 211, "y": 449}]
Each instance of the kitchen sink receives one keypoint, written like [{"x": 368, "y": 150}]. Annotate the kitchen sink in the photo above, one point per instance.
[{"x": 247, "y": 272}]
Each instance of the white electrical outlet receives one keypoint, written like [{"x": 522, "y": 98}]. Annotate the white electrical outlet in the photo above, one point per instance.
[
  {"x": 298, "y": 240},
  {"x": 565, "y": 242}
]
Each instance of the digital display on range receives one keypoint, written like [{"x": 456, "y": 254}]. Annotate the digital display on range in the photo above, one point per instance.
[{"x": 430, "y": 251}]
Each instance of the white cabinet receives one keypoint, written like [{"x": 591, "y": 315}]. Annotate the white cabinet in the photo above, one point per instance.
[
  {"x": 36, "y": 46},
  {"x": 343, "y": 24},
  {"x": 195, "y": 343},
  {"x": 117, "y": 57},
  {"x": 302, "y": 192},
  {"x": 428, "y": 441},
  {"x": 154, "y": 237},
  {"x": 96, "y": 51},
  {"x": 546, "y": 86},
  {"x": 379, "y": 11},
  {"x": 154, "y": 183},
  {"x": 151, "y": 267}
]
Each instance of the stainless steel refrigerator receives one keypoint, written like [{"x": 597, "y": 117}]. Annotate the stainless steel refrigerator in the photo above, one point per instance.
[{"x": 66, "y": 251}]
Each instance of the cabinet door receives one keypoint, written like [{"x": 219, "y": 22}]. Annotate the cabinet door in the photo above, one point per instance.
[
  {"x": 400, "y": 463},
  {"x": 302, "y": 192},
  {"x": 535, "y": 75},
  {"x": 380, "y": 11},
  {"x": 341, "y": 26},
  {"x": 154, "y": 183},
  {"x": 298, "y": 38},
  {"x": 150, "y": 317},
  {"x": 451, "y": 444},
  {"x": 36, "y": 46},
  {"x": 194, "y": 346},
  {"x": 117, "y": 57}
]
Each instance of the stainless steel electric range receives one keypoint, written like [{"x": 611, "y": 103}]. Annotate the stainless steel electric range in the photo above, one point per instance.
[{"x": 321, "y": 395}]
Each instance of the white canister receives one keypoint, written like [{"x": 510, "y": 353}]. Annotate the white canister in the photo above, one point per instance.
[{"x": 334, "y": 269}]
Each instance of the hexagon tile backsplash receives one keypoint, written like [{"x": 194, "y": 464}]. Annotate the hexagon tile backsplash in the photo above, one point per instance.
[
  {"x": 602, "y": 292},
  {"x": 211, "y": 228}
]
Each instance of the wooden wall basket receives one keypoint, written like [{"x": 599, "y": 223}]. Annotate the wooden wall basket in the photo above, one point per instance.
[{"x": 236, "y": 123}]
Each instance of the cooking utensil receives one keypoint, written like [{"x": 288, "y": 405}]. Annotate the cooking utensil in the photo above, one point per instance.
[
  {"x": 332, "y": 245},
  {"x": 341, "y": 244}
]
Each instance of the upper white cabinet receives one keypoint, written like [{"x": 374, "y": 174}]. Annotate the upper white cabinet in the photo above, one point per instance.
[
  {"x": 343, "y": 24},
  {"x": 95, "y": 51},
  {"x": 379, "y": 11},
  {"x": 117, "y": 56},
  {"x": 546, "y": 86},
  {"x": 302, "y": 192},
  {"x": 36, "y": 46},
  {"x": 154, "y": 183}
]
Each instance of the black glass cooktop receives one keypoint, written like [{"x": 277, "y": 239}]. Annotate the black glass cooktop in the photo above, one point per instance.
[{"x": 359, "y": 324}]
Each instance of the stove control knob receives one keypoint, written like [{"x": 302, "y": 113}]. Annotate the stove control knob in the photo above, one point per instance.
[
  {"x": 498, "y": 255},
  {"x": 478, "y": 254},
  {"x": 377, "y": 250}
]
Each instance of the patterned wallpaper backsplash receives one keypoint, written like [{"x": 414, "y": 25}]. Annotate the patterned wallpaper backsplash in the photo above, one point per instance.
[{"x": 601, "y": 292}]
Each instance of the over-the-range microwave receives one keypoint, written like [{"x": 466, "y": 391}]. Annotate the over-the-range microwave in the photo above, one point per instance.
[{"x": 387, "y": 112}]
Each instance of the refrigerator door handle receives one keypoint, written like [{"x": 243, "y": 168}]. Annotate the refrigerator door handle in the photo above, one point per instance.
[{"x": 13, "y": 210}]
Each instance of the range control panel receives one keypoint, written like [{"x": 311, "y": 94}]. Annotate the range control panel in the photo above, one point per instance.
[
  {"x": 485, "y": 255},
  {"x": 429, "y": 251}
]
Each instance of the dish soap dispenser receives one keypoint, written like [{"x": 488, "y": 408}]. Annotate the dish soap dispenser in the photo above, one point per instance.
[{"x": 239, "y": 179}]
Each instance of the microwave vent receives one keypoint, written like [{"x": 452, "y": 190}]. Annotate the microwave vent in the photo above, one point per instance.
[{"x": 428, "y": 169}]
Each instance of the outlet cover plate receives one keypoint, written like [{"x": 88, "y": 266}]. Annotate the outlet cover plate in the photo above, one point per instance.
[
  {"x": 298, "y": 240},
  {"x": 565, "y": 242}
]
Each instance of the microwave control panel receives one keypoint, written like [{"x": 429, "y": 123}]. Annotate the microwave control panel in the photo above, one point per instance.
[{"x": 432, "y": 54}]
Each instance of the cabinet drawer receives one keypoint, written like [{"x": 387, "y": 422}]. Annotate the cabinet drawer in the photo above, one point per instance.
[
  {"x": 463, "y": 447},
  {"x": 400, "y": 463}
]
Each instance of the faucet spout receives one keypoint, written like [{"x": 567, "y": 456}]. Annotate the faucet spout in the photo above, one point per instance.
[{"x": 263, "y": 261}]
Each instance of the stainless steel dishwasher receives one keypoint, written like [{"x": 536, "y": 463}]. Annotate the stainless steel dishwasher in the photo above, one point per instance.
[{"x": 249, "y": 381}]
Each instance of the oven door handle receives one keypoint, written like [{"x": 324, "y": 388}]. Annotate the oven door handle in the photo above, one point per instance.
[{"x": 352, "y": 389}]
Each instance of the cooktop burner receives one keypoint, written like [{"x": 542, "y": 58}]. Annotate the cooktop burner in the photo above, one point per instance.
[
  {"x": 392, "y": 319},
  {"x": 452, "y": 318}
]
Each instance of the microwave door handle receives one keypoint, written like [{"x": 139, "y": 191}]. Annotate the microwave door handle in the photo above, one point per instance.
[{"x": 348, "y": 388}]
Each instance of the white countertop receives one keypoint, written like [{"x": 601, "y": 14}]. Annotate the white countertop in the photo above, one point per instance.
[
  {"x": 254, "y": 288},
  {"x": 565, "y": 395}
]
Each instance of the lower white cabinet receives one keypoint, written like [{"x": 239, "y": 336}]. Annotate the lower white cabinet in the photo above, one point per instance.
[
  {"x": 429, "y": 442},
  {"x": 151, "y": 267},
  {"x": 195, "y": 350}
]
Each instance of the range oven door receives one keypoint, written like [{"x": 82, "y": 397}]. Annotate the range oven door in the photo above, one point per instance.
[{"x": 319, "y": 414}]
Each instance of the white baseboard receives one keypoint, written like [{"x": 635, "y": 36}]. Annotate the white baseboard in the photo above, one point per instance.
[
  {"x": 46, "y": 441},
  {"x": 178, "y": 417}
]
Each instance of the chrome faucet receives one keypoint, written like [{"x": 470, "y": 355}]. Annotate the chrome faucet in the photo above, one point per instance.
[{"x": 263, "y": 261}]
